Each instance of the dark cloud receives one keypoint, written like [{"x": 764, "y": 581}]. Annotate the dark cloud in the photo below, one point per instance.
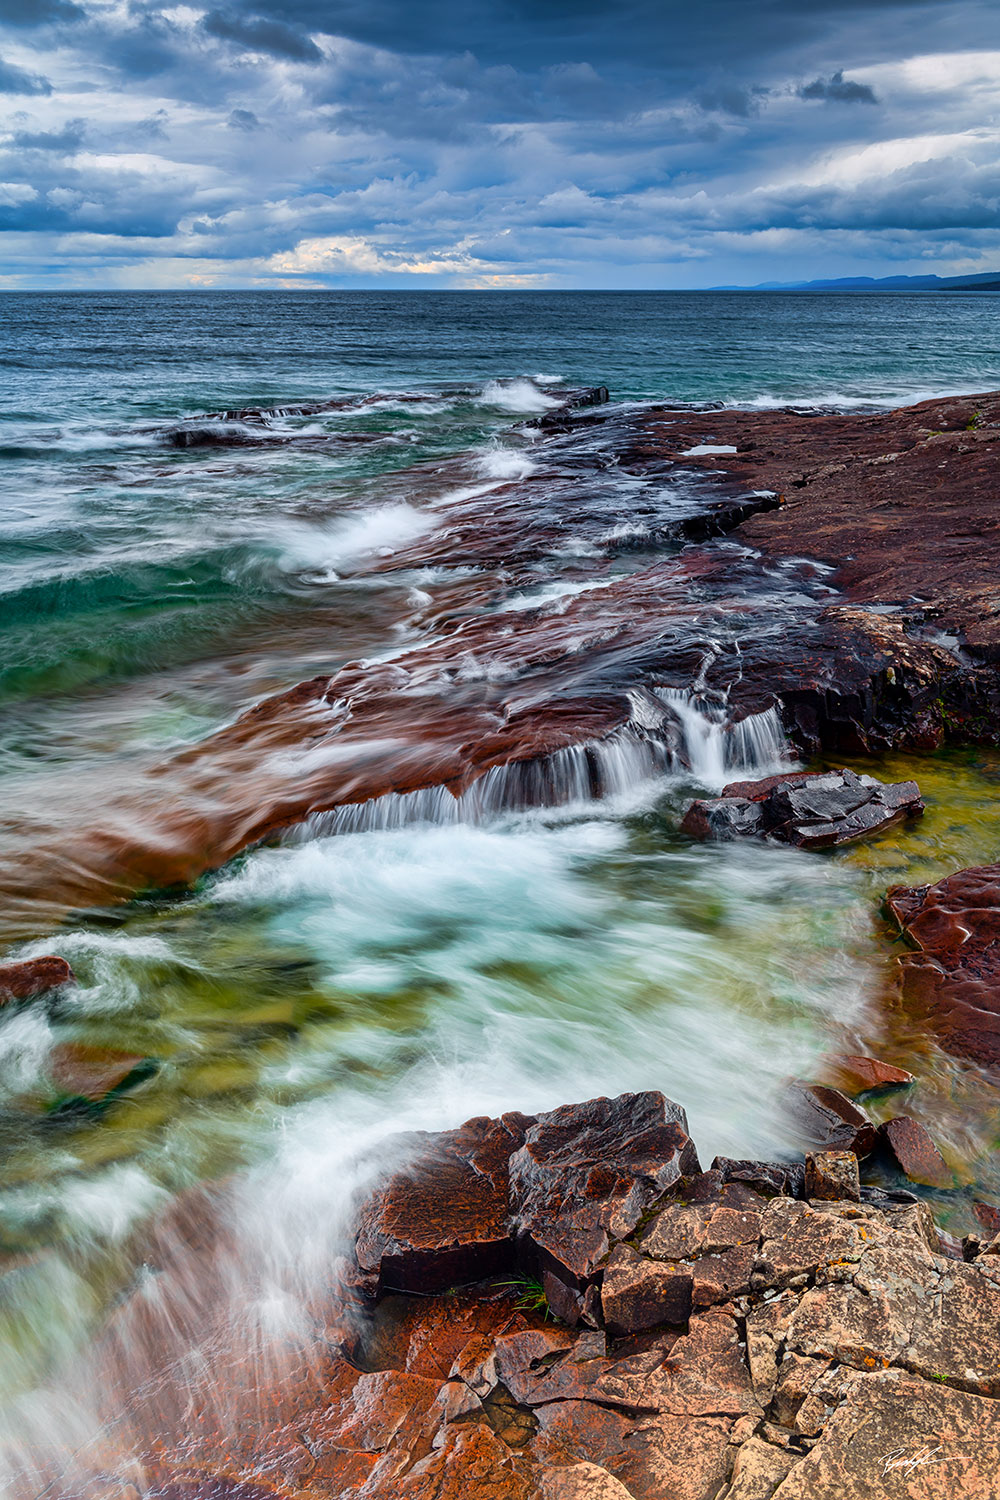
[
  {"x": 840, "y": 89},
  {"x": 17, "y": 81},
  {"x": 259, "y": 35},
  {"x": 682, "y": 40},
  {"x": 66, "y": 141},
  {"x": 153, "y": 127},
  {"x": 39, "y": 12},
  {"x": 596, "y": 145}
]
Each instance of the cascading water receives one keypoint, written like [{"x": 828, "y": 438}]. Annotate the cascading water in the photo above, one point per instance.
[
  {"x": 711, "y": 750},
  {"x": 714, "y": 747}
]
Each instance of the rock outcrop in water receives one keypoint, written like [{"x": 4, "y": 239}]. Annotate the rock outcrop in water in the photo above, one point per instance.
[
  {"x": 739, "y": 1342},
  {"x": 578, "y": 640},
  {"x": 950, "y": 981},
  {"x": 812, "y": 810},
  {"x": 33, "y": 977}
]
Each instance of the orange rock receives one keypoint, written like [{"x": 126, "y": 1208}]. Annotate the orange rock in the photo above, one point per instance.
[
  {"x": 857, "y": 1074},
  {"x": 35, "y": 976},
  {"x": 83, "y": 1072}
]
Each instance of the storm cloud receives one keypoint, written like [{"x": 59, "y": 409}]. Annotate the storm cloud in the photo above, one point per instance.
[{"x": 507, "y": 143}]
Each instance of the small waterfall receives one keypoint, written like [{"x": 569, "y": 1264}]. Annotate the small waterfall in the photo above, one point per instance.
[
  {"x": 711, "y": 748},
  {"x": 578, "y": 773},
  {"x": 716, "y": 749}
]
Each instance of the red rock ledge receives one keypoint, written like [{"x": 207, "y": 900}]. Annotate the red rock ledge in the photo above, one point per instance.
[{"x": 703, "y": 1335}]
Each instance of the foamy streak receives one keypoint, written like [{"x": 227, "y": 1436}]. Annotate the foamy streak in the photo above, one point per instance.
[{"x": 704, "y": 745}]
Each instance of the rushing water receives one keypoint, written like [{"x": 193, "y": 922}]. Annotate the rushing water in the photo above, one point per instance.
[{"x": 417, "y": 959}]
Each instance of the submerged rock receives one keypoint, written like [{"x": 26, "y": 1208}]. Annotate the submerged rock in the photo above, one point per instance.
[
  {"x": 861, "y": 1075},
  {"x": 35, "y": 976},
  {"x": 94, "y": 1074},
  {"x": 807, "y": 809},
  {"x": 828, "y": 1119},
  {"x": 952, "y": 980}
]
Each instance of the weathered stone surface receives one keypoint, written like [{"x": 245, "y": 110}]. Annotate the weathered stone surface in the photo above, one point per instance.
[
  {"x": 34, "y": 976},
  {"x": 901, "y": 1438},
  {"x": 581, "y": 1482},
  {"x": 952, "y": 981},
  {"x": 762, "y": 1177},
  {"x": 586, "y": 1174},
  {"x": 833, "y": 1175},
  {"x": 638, "y": 1293},
  {"x": 915, "y": 1152},
  {"x": 856, "y": 1074},
  {"x": 758, "y": 1470},
  {"x": 812, "y": 811},
  {"x": 827, "y": 1118},
  {"x": 445, "y": 1218}
]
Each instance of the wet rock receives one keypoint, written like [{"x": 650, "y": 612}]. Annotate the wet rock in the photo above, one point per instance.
[
  {"x": 586, "y": 1174},
  {"x": 551, "y": 1193},
  {"x": 914, "y": 1152},
  {"x": 763, "y": 1177},
  {"x": 832, "y": 1175},
  {"x": 811, "y": 811},
  {"x": 445, "y": 1218},
  {"x": 827, "y": 1118},
  {"x": 952, "y": 980},
  {"x": 988, "y": 1215},
  {"x": 853, "y": 1359},
  {"x": 859, "y": 1075},
  {"x": 32, "y": 977},
  {"x": 95, "y": 1074}
]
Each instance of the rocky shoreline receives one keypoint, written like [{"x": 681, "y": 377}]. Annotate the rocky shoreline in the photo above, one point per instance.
[
  {"x": 567, "y": 1307},
  {"x": 837, "y": 572}
]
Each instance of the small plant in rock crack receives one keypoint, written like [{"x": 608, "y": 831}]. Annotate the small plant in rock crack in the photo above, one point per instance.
[{"x": 532, "y": 1296}]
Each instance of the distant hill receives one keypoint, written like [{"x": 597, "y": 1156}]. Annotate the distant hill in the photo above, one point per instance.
[{"x": 988, "y": 281}]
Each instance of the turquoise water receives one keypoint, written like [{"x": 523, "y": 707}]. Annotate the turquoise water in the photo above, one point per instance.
[{"x": 311, "y": 998}]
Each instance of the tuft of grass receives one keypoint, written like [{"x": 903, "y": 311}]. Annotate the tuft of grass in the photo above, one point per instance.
[{"x": 532, "y": 1296}]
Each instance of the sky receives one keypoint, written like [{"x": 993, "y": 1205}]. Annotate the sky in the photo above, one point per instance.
[{"x": 496, "y": 143}]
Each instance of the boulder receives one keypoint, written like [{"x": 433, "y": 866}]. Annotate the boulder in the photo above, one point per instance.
[
  {"x": 915, "y": 1153},
  {"x": 833, "y": 1175},
  {"x": 34, "y": 976},
  {"x": 444, "y": 1218},
  {"x": 827, "y": 1118},
  {"x": 810, "y": 810},
  {"x": 952, "y": 980},
  {"x": 861, "y": 1075},
  {"x": 587, "y": 1173},
  {"x": 548, "y": 1194}
]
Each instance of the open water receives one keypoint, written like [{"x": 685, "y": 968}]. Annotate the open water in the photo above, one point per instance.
[{"x": 315, "y": 996}]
